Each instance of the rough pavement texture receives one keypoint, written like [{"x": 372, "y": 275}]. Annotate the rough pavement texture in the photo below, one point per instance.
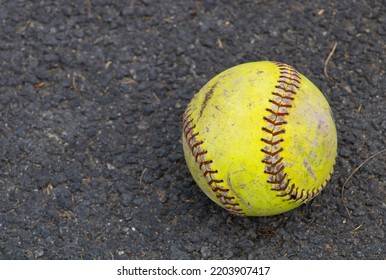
[{"x": 92, "y": 94}]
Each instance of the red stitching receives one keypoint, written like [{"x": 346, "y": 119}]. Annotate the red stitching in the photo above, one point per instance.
[
  {"x": 217, "y": 189},
  {"x": 278, "y": 114},
  {"x": 200, "y": 154},
  {"x": 277, "y": 178},
  {"x": 284, "y": 186},
  {"x": 272, "y": 154},
  {"x": 286, "y": 90},
  {"x": 192, "y": 136},
  {"x": 290, "y": 75},
  {"x": 288, "y": 82},
  {"x": 271, "y": 163},
  {"x": 188, "y": 130},
  {"x": 272, "y": 132},
  {"x": 195, "y": 145},
  {"x": 272, "y": 143},
  {"x": 204, "y": 164},
  {"x": 213, "y": 181},
  {"x": 274, "y": 121},
  {"x": 280, "y": 104},
  {"x": 274, "y": 171},
  {"x": 210, "y": 172}
]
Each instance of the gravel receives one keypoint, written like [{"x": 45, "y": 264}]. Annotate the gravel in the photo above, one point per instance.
[{"x": 91, "y": 101}]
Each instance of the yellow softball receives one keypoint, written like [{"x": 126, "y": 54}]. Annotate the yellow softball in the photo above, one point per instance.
[{"x": 259, "y": 139}]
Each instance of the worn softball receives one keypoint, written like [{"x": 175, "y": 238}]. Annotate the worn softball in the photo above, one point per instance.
[{"x": 259, "y": 139}]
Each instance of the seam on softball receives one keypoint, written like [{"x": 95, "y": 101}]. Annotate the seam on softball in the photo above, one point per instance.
[
  {"x": 288, "y": 83},
  {"x": 206, "y": 166}
]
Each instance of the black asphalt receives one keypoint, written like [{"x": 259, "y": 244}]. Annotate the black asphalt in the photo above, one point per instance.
[{"x": 92, "y": 94}]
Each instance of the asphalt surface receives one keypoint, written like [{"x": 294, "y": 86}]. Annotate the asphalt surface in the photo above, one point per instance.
[{"x": 91, "y": 101}]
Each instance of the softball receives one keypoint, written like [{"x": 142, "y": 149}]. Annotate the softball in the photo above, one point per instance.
[{"x": 259, "y": 139}]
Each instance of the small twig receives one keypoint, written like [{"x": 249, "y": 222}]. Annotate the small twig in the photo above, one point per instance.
[
  {"x": 24, "y": 28},
  {"x": 74, "y": 83},
  {"x": 89, "y": 5},
  {"x": 141, "y": 178},
  {"x": 157, "y": 98},
  {"x": 358, "y": 227},
  {"x": 352, "y": 173},
  {"x": 328, "y": 60}
]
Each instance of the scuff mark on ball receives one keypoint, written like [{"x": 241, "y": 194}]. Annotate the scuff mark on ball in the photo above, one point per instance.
[
  {"x": 208, "y": 96},
  {"x": 309, "y": 168}
]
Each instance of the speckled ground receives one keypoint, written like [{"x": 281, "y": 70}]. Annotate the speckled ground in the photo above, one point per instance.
[{"x": 92, "y": 94}]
